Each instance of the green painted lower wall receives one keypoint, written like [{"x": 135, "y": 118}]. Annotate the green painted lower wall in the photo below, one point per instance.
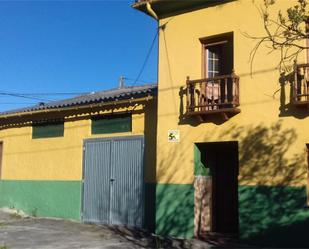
[
  {"x": 43, "y": 198},
  {"x": 268, "y": 215},
  {"x": 175, "y": 210},
  {"x": 274, "y": 216}
]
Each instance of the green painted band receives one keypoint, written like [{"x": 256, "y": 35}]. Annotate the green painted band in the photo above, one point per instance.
[
  {"x": 175, "y": 210},
  {"x": 274, "y": 216},
  {"x": 43, "y": 198}
]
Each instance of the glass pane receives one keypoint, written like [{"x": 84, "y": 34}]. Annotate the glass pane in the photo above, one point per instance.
[
  {"x": 216, "y": 65},
  {"x": 214, "y": 60},
  {"x": 210, "y": 54},
  {"x": 215, "y": 51},
  {"x": 210, "y": 65}
]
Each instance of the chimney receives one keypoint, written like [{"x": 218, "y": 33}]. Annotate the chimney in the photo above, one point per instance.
[{"x": 121, "y": 82}]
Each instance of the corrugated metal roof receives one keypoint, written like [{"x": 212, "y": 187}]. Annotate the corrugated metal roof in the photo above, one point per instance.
[{"x": 94, "y": 97}]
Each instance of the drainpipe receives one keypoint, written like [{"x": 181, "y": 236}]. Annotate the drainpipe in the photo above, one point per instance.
[{"x": 151, "y": 11}]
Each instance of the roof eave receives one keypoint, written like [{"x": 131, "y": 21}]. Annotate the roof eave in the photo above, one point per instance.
[
  {"x": 6, "y": 119},
  {"x": 167, "y": 8}
]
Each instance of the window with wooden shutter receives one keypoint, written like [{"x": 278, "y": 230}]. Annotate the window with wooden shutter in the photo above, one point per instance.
[
  {"x": 48, "y": 130},
  {"x": 111, "y": 124}
]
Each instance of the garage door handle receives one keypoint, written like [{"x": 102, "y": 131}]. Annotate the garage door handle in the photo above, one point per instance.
[{"x": 112, "y": 180}]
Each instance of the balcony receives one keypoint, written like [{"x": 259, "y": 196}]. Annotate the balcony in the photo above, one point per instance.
[
  {"x": 218, "y": 95},
  {"x": 300, "y": 91}
]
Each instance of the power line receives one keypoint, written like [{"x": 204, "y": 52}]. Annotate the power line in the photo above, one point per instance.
[
  {"x": 140, "y": 81},
  {"x": 38, "y": 96},
  {"x": 22, "y": 96},
  {"x": 18, "y": 103},
  {"x": 53, "y": 94},
  {"x": 147, "y": 57}
]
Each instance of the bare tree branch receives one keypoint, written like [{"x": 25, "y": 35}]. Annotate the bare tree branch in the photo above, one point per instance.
[{"x": 285, "y": 33}]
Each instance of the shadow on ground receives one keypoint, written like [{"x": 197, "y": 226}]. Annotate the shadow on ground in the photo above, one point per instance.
[{"x": 19, "y": 232}]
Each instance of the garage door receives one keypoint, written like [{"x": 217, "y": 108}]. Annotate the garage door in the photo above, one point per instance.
[{"x": 113, "y": 184}]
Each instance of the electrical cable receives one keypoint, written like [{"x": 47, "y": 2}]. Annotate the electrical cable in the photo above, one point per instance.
[
  {"x": 37, "y": 96},
  {"x": 53, "y": 94},
  {"x": 18, "y": 103},
  {"x": 147, "y": 57},
  {"x": 22, "y": 96},
  {"x": 140, "y": 81}
]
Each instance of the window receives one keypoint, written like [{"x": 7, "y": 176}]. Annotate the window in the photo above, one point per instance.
[
  {"x": 217, "y": 55},
  {"x": 217, "y": 61},
  {"x": 111, "y": 124},
  {"x": 214, "y": 59},
  {"x": 48, "y": 129}
]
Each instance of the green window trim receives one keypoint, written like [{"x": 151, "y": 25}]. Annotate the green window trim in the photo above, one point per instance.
[
  {"x": 111, "y": 124},
  {"x": 48, "y": 130}
]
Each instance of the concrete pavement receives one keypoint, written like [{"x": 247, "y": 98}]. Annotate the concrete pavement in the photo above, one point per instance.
[{"x": 21, "y": 232}]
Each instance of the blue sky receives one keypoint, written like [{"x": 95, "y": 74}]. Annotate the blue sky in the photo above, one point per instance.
[{"x": 71, "y": 46}]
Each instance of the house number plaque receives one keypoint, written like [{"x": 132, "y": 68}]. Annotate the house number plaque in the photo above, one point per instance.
[{"x": 173, "y": 135}]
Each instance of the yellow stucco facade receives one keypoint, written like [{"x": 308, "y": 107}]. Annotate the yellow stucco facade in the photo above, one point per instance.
[
  {"x": 59, "y": 158},
  {"x": 270, "y": 132},
  {"x": 272, "y": 143}
]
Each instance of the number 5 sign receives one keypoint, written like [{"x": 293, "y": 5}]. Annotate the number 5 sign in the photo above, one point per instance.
[{"x": 173, "y": 135}]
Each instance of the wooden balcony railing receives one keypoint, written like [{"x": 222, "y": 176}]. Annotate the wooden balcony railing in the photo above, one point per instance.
[
  {"x": 300, "y": 91},
  {"x": 213, "y": 95}
]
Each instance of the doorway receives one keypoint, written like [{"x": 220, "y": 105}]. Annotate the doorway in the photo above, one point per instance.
[{"x": 218, "y": 164}]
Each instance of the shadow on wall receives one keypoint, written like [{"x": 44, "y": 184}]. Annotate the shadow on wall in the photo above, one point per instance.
[
  {"x": 286, "y": 109},
  {"x": 289, "y": 110},
  {"x": 175, "y": 210},
  {"x": 272, "y": 211},
  {"x": 274, "y": 216},
  {"x": 174, "y": 202},
  {"x": 272, "y": 191},
  {"x": 150, "y": 165},
  {"x": 195, "y": 121}
]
